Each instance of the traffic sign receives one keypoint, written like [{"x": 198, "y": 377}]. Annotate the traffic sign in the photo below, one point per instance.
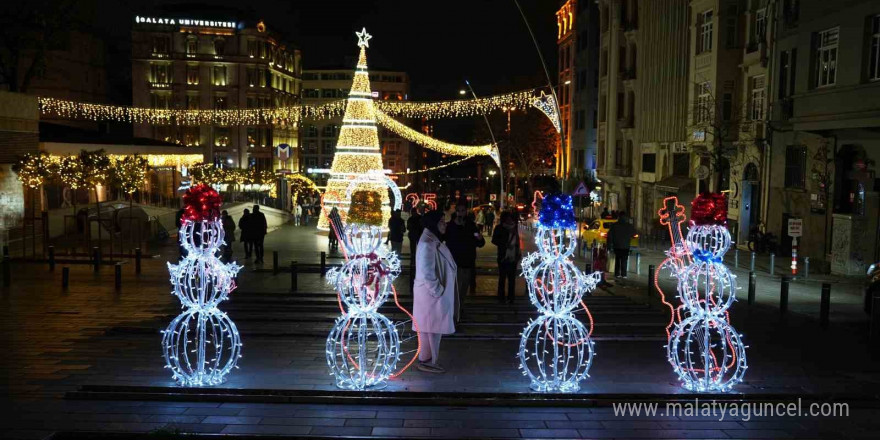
[
  {"x": 795, "y": 227},
  {"x": 581, "y": 190},
  {"x": 493, "y": 197}
]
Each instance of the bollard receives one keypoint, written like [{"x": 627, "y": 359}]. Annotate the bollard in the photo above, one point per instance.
[
  {"x": 137, "y": 260},
  {"x": 118, "y": 277},
  {"x": 783, "y": 295},
  {"x": 65, "y": 278},
  {"x": 96, "y": 258},
  {"x": 51, "y": 258},
  {"x": 753, "y": 283},
  {"x": 651, "y": 271},
  {"x": 323, "y": 262},
  {"x": 752, "y": 263},
  {"x": 772, "y": 264},
  {"x": 825, "y": 305},
  {"x": 736, "y": 258},
  {"x": 806, "y": 268},
  {"x": 7, "y": 271},
  {"x": 638, "y": 264},
  {"x": 274, "y": 262},
  {"x": 294, "y": 276}
]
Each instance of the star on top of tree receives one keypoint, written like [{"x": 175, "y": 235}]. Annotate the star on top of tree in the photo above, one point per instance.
[{"x": 363, "y": 38}]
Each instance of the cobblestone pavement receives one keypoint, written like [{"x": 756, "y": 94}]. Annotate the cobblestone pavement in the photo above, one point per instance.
[{"x": 55, "y": 341}]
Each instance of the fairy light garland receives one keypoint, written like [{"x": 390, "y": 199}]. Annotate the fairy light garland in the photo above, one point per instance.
[
  {"x": 429, "y": 142},
  {"x": 438, "y": 167},
  {"x": 458, "y": 108}
]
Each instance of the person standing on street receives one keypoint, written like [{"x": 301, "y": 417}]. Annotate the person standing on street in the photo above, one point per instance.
[
  {"x": 228, "y": 234},
  {"x": 490, "y": 220},
  {"x": 619, "y": 235},
  {"x": 297, "y": 214},
  {"x": 434, "y": 291},
  {"x": 414, "y": 228},
  {"x": 259, "y": 228},
  {"x": 506, "y": 237},
  {"x": 305, "y": 214},
  {"x": 244, "y": 224},
  {"x": 396, "y": 228},
  {"x": 463, "y": 237}
]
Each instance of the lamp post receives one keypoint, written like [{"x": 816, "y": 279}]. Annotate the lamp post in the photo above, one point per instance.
[{"x": 492, "y": 135}]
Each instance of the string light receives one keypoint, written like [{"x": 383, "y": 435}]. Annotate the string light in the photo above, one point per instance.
[
  {"x": 431, "y": 143},
  {"x": 201, "y": 345},
  {"x": 547, "y": 105},
  {"x": 704, "y": 350},
  {"x": 555, "y": 350},
  {"x": 34, "y": 169},
  {"x": 438, "y": 167},
  {"x": 129, "y": 172},
  {"x": 458, "y": 108}
]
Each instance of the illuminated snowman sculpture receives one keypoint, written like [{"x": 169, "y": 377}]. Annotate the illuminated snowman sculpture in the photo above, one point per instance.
[
  {"x": 555, "y": 350},
  {"x": 705, "y": 351},
  {"x": 363, "y": 347},
  {"x": 202, "y": 344}
]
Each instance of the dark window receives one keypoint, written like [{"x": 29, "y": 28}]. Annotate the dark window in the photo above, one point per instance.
[
  {"x": 727, "y": 106},
  {"x": 795, "y": 166},
  {"x": 649, "y": 162},
  {"x": 681, "y": 164}
]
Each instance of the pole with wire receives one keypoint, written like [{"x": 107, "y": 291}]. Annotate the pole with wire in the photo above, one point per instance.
[{"x": 495, "y": 143}]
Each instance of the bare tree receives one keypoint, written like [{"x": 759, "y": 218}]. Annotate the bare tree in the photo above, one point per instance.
[
  {"x": 729, "y": 128},
  {"x": 28, "y": 30}
]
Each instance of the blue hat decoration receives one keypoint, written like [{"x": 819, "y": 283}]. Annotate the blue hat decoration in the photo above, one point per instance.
[{"x": 556, "y": 211}]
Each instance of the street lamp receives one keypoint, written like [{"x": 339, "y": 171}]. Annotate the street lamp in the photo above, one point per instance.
[{"x": 494, "y": 142}]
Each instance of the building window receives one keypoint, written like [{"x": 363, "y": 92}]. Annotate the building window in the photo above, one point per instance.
[
  {"x": 190, "y": 136},
  {"x": 221, "y": 136},
  {"x": 649, "y": 162},
  {"x": 192, "y": 46},
  {"x": 704, "y": 36},
  {"x": 703, "y": 110},
  {"x": 160, "y": 73},
  {"x": 220, "y": 103},
  {"x": 826, "y": 57},
  {"x": 727, "y": 106},
  {"x": 756, "y": 106},
  {"x": 618, "y": 154},
  {"x": 326, "y": 147},
  {"x": 253, "y": 48},
  {"x": 620, "y": 106},
  {"x": 579, "y": 120},
  {"x": 681, "y": 164},
  {"x": 251, "y": 76},
  {"x": 192, "y": 102},
  {"x": 786, "y": 73},
  {"x": 874, "y": 65},
  {"x": 795, "y": 166},
  {"x": 219, "y": 46},
  {"x": 603, "y": 105},
  {"x": 330, "y": 130},
  {"x": 760, "y": 25},
  {"x": 310, "y": 147},
  {"x": 219, "y": 75},
  {"x": 160, "y": 100},
  {"x": 731, "y": 23},
  {"x": 192, "y": 75},
  {"x": 161, "y": 44}
]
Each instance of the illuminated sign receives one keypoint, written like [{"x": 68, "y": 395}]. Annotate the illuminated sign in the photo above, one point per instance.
[{"x": 185, "y": 22}]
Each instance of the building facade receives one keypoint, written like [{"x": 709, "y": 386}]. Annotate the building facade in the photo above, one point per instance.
[
  {"x": 578, "y": 43},
  {"x": 184, "y": 63},
  {"x": 318, "y": 137},
  {"x": 825, "y": 119},
  {"x": 642, "y": 104}
]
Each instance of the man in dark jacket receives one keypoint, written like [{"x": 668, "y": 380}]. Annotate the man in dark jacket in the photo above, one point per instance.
[
  {"x": 259, "y": 228},
  {"x": 396, "y": 228},
  {"x": 463, "y": 237},
  {"x": 506, "y": 237},
  {"x": 244, "y": 224},
  {"x": 228, "y": 235},
  {"x": 619, "y": 235},
  {"x": 414, "y": 228}
]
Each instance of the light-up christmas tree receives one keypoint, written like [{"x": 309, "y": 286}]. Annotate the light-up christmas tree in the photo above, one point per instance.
[
  {"x": 363, "y": 346},
  {"x": 358, "y": 156},
  {"x": 555, "y": 350},
  {"x": 705, "y": 351},
  {"x": 202, "y": 344}
]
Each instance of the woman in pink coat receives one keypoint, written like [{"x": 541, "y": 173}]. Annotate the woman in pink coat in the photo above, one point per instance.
[{"x": 433, "y": 291}]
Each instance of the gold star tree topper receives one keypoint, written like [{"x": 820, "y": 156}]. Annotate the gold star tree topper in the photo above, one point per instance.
[{"x": 363, "y": 38}]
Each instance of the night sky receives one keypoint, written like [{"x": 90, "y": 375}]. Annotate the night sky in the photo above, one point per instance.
[{"x": 439, "y": 43}]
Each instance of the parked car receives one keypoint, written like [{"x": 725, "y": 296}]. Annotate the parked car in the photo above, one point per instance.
[{"x": 598, "y": 230}]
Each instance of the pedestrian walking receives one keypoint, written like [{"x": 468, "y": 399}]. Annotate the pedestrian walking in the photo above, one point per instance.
[
  {"x": 480, "y": 219},
  {"x": 490, "y": 220},
  {"x": 434, "y": 291},
  {"x": 259, "y": 228},
  {"x": 506, "y": 237},
  {"x": 396, "y": 228},
  {"x": 305, "y": 214},
  {"x": 619, "y": 235},
  {"x": 463, "y": 237},
  {"x": 244, "y": 225},
  {"x": 228, "y": 234},
  {"x": 297, "y": 214}
]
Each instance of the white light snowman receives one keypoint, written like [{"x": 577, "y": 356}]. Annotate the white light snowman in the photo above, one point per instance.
[
  {"x": 556, "y": 351},
  {"x": 363, "y": 346},
  {"x": 201, "y": 345},
  {"x": 705, "y": 351}
]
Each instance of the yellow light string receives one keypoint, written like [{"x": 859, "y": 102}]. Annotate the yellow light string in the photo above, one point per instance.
[
  {"x": 438, "y": 167},
  {"x": 429, "y": 142}
]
